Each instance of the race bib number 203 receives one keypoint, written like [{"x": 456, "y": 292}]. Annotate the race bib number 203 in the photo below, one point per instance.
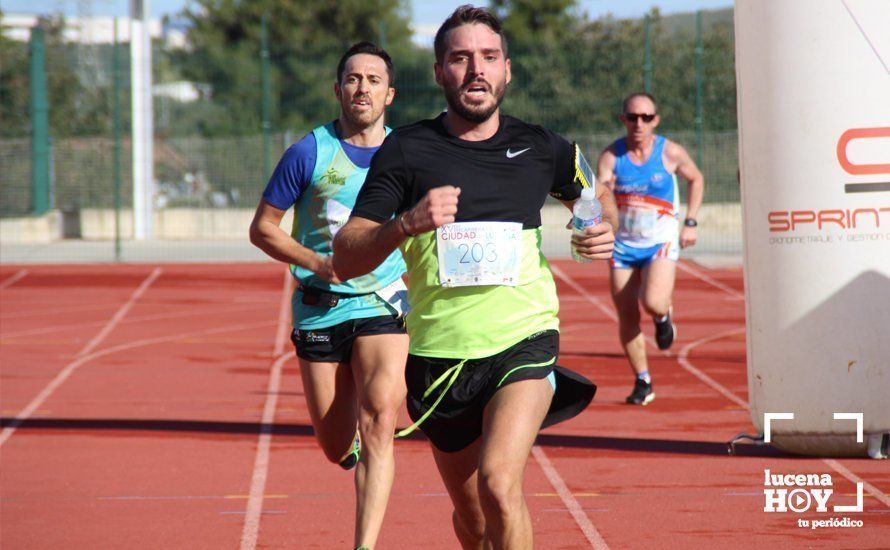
[{"x": 479, "y": 253}]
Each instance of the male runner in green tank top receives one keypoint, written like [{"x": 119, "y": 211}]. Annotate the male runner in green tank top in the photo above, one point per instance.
[
  {"x": 468, "y": 187},
  {"x": 349, "y": 335}
]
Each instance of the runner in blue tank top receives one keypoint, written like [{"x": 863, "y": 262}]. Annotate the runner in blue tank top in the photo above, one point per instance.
[
  {"x": 349, "y": 335},
  {"x": 641, "y": 168}
]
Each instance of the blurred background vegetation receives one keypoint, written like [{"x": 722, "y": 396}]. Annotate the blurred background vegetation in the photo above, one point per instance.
[{"x": 569, "y": 74}]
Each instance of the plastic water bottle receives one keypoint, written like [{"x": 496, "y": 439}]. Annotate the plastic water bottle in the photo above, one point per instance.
[{"x": 587, "y": 212}]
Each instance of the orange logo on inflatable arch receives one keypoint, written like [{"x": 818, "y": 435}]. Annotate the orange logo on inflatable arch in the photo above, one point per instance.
[{"x": 861, "y": 133}]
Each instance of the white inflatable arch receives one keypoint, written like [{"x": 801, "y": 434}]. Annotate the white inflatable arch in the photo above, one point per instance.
[{"x": 814, "y": 124}]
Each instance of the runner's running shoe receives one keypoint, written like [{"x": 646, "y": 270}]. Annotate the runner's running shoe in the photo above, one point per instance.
[
  {"x": 642, "y": 394},
  {"x": 665, "y": 330},
  {"x": 350, "y": 460}
]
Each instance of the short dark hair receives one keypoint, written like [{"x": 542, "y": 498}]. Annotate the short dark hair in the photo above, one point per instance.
[
  {"x": 370, "y": 49},
  {"x": 647, "y": 95},
  {"x": 465, "y": 15}
]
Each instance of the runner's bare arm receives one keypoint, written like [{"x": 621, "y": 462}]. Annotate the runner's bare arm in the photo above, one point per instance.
[
  {"x": 267, "y": 235},
  {"x": 677, "y": 156},
  {"x": 362, "y": 244},
  {"x": 686, "y": 167},
  {"x": 605, "y": 168},
  {"x": 607, "y": 201}
]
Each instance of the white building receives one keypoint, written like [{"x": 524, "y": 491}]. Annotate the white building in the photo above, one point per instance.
[{"x": 97, "y": 29}]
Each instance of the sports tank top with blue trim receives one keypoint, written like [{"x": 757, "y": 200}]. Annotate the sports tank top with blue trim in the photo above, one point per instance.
[
  {"x": 647, "y": 197},
  {"x": 325, "y": 207}
]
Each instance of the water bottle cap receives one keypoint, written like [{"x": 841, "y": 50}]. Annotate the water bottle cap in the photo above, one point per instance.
[{"x": 588, "y": 194}]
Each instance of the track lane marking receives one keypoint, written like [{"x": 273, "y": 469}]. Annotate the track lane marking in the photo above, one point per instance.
[
  {"x": 53, "y": 311},
  {"x": 568, "y": 499},
  {"x": 69, "y": 369},
  {"x": 254, "y": 509},
  {"x": 120, "y": 313},
  {"x": 17, "y": 421},
  {"x": 12, "y": 280},
  {"x": 833, "y": 464},
  {"x": 138, "y": 319},
  {"x": 711, "y": 281},
  {"x": 684, "y": 361},
  {"x": 874, "y": 491}
]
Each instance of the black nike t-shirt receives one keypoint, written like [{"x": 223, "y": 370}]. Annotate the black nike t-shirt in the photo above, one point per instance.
[{"x": 504, "y": 178}]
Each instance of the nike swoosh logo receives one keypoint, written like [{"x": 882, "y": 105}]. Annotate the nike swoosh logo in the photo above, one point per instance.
[{"x": 511, "y": 154}]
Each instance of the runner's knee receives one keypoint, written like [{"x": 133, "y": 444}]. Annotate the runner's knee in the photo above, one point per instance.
[
  {"x": 500, "y": 492},
  {"x": 656, "y": 307},
  {"x": 378, "y": 425},
  {"x": 470, "y": 528}
]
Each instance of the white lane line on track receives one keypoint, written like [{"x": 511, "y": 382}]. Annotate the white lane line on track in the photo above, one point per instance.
[
  {"x": 835, "y": 465},
  {"x": 711, "y": 281},
  {"x": 12, "y": 280},
  {"x": 874, "y": 491},
  {"x": 608, "y": 311},
  {"x": 137, "y": 319},
  {"x": 17, "y": 421},
  {"x": 568, "y": 499},
  {"x": 55, "y": 310},
  {"x": 687, "y": 365},
  {"x": 254, "y": 510},
  {"x": 106, "y": 330},
  {"x": 683, "y": 359},
  {"x": 80, "y": 359}
]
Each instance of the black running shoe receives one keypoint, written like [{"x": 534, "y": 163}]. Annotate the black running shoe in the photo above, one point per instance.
[
  {"x": 664, "y": 332},
  {"x": 642, "y": 394},
  {"x": 350, "y": 460}
]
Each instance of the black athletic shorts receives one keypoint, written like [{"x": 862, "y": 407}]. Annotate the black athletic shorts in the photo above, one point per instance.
[
  {"x": 456, "y": 422},
  {"x": 334, "y": 344}
]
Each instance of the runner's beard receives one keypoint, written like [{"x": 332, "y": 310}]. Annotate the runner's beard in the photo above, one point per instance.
[
  {"x": 361, "y": 119},
  {"x": 474, "y": 113}
]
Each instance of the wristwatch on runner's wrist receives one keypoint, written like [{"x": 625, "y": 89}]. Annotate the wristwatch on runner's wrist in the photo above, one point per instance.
[{"x": 690, "y": 222}]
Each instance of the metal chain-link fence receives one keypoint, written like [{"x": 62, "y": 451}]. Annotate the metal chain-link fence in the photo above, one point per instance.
[{"x": 213, "y": 149}]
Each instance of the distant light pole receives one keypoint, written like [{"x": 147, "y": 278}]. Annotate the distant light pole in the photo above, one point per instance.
[{"x": 143, "y": 127}]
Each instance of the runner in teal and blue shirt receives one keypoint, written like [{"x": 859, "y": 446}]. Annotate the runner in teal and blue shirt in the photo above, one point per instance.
[{"x": 349, "y": 335}]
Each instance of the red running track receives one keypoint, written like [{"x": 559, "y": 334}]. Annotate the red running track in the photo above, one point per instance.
[{"x": 160, "y": 407}]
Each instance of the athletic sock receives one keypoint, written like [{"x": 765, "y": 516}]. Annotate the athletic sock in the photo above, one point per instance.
[
  {"x": 644, "y": 376},
  {"x": 662, "y": 319}
]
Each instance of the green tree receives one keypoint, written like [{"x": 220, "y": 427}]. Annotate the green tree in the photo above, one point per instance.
[
  {"x": 14, "y": 119},
  {"x": 77, "y": 106},
  {"x": 306, "y": 40},
  {"x": 539, "y": 44}
]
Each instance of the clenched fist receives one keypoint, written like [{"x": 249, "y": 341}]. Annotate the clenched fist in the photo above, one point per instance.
[{"x": 437, "y": 208}]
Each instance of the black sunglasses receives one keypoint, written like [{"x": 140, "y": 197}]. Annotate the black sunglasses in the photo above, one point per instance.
[{"x": 633, "y": 117}]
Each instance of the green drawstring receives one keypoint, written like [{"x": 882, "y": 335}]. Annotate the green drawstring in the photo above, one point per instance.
[
  {"x": 454, "y": 372},
  {"x": 544, "y": 364}
]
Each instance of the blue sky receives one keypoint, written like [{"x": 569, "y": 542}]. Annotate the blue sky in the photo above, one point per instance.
[{"x": 424, "y": 11}]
